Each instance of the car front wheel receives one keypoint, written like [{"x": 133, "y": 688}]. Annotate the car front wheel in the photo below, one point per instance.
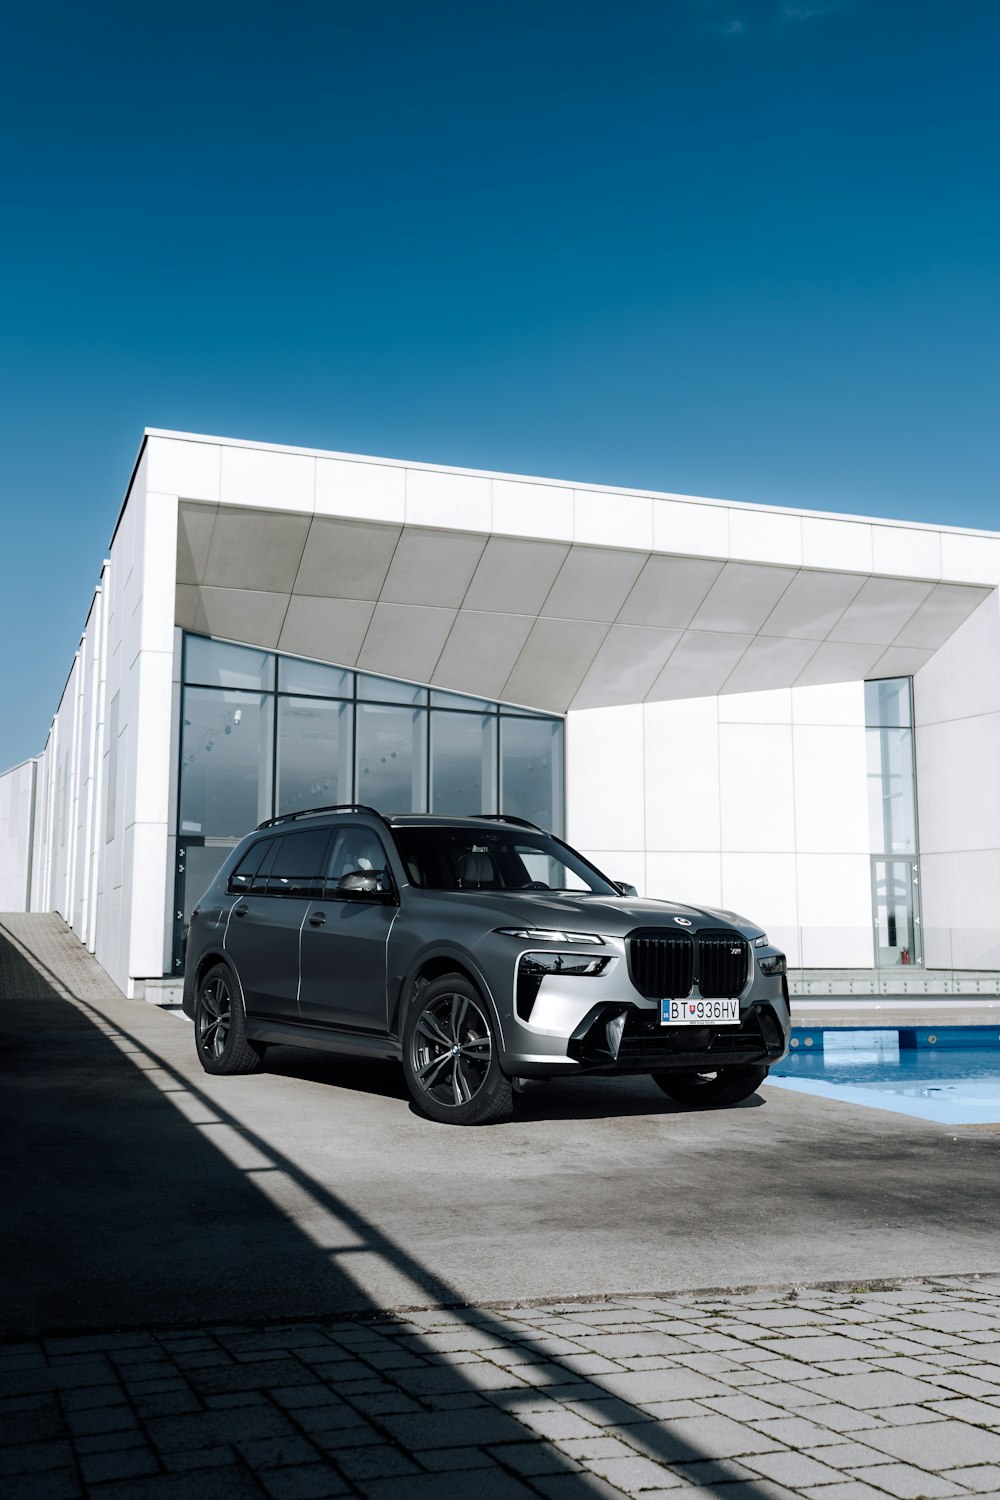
[
  {"x": 450, "y": 1056},
  {"x": 711, "y": 1090}
]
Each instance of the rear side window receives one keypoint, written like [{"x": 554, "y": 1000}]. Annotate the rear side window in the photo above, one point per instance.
[
  {"x": 297, "y": 866},
  {"x": 241, "y": 878}
]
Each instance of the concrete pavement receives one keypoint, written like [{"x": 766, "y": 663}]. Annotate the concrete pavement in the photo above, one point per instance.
[{"x": 159, "y": 1224}]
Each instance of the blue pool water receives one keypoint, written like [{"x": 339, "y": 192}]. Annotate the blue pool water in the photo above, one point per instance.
[{"x": 951, "y": 1074}]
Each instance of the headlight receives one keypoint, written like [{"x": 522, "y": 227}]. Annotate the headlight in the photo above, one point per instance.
[
  {"x": 773, "y": 965},
  {"x": 562, "y": 963},
  {"x": 547, "y": 935},
  {"x": 760, "y": 942}
]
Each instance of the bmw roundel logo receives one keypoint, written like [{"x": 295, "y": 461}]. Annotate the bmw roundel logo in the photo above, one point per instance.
[{"x": 682, "y": 921}]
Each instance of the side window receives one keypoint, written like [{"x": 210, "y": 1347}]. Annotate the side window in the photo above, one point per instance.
[
  {"x": 241, "y": 879},
  {"x": 358, "y": 852},
  {"x": 297, "y": 864}
]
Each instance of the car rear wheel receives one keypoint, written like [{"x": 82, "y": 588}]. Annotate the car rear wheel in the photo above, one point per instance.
[
  {"x": 450, "y": 1056},
  {"x": 711, "y": 1090},
  {"x": 220, "y": 1026}
]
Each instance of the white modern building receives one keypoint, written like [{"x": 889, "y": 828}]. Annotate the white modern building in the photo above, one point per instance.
[{"x": 788, "y": 713}]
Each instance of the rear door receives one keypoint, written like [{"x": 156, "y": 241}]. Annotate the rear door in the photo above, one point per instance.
[
  {"x": 345, "y": 937},
  {"x": 262, "y": 939}
]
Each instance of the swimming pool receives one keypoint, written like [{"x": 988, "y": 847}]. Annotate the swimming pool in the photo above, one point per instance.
[{"x": 950, "y": 1074}]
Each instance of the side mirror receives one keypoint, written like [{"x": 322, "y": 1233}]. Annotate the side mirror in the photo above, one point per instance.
[
  {"x": 363, "y": 883},
  {"x": 625, "y": 888}
]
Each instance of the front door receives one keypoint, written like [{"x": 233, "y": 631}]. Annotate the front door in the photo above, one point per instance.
[{"x": 345, "y": 937}]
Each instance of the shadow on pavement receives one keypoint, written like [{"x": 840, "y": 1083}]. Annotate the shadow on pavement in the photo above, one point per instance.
[{"x": 133, "y": 1200}]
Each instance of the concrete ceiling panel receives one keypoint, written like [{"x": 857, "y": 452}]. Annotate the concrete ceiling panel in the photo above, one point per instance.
[
  {"x": 881, "y": 609},
  {"x": 901, "y": 661},
  {"x": 480, "y": 652},
  {"x": 255, "y": 549},
  {"x": 769, "y": 662},
  {"x": 698, "y": 665},
  {"x": 432, "y": 567},
  {"x": 553, "y": 663},
  {"x": 187, "y": 607},
  {"x": 328, "y": 629},
  {"x": 626, "y": 666},
  {"x": 812, "y": 604},
  {"x": 513, "y": 577},
  {"x": 243, "y": 615},
  {"x": 405, "y": 640},
  {"x": 195, "y": 524},
  {"x": 946, "y": 607},
  {"x": 741, "y": 598},
  {"x": 345, "y": 559},
  {"x": 593, "y": 584},
  {"x": 838, "y": 663},
  {"x": 668, "y": 591}
]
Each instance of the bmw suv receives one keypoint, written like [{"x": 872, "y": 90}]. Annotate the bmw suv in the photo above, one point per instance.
[{"x": 482, "y": 953}]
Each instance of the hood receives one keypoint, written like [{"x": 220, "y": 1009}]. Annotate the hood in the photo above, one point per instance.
[{"x": 580, "y": 911}]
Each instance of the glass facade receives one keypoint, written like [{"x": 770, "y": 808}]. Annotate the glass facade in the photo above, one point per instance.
[
  {"x": 264, "y": 734},
  {"x": 892, "y": 821}
]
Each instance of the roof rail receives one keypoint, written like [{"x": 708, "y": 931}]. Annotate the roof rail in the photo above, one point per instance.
[
  {"x": 311, "y": 812},
  {"x": 508, "y": 818}
]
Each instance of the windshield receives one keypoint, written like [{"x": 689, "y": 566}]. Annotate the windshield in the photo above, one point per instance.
[{"x": 505, "y": 859}]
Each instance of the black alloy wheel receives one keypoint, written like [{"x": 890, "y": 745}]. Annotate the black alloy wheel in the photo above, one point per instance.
[
  {"x": 450, "y": 1056},
  {"x": 712, "y": 1090},
  {"x": 220, "y": 1026}
]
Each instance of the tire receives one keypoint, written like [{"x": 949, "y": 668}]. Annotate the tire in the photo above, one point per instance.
[
  {"x": 711, "y": 1090},
  {"x": 450, "y": 1056},
  {"x": 220, "y": 1033}
]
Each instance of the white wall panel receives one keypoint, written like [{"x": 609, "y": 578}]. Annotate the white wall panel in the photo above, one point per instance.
[
  {"x": 462, "y": 501},
  {"x": 692, "y": 878},
  {"x": 17, "y": 792},
  {"x": 831, "y": 789},
  {"x": 604, "y": 750},
  {"x": 682, "y": 775},
  {"x": 756, "y": 787}
]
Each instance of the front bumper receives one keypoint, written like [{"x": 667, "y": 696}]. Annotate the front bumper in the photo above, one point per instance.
[{"x": 647, "y": 1047}]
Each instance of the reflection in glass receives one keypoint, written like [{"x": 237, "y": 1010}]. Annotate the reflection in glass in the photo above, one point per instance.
[
  {"x": 384, "y": 690},
  {"x": 225, "y": 787},
  {"x": 463, "y": 763},
  {"x": 888, "y": 703},
  {"x": 314, "y": 753},
  {"x": 895, "y": 929},
  {"x": 217, "y": 664},
  {"x": 391, "y": 757},
  {"x": 531, "y": 770},
  {"x": 314, "y": 677},
  {"x": 892, "y": 817},
  {"x": 459, "y": 700}
]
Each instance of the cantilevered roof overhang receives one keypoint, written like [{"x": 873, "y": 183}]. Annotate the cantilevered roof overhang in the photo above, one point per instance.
[{"x": 552, "y": 595}]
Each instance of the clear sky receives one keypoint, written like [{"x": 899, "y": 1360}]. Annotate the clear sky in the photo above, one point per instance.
[{"x": 744, "y": 248}]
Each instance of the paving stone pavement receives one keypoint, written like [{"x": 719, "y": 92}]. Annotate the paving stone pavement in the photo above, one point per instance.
[{"x": 847, "y": 1394}]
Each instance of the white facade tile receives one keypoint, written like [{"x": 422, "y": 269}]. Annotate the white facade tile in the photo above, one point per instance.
[
  {"x": 438, "y": 499},
  {"x": 682, "y": 775},
  {"x": 364, "y": 491},
  {"x": 761, "y": 887},
  {"x": 686, "y": 528},
  {"x": 610, "y": 520},
  {"x": 184, "y": 467},
  {"x": 830, "y": 543},
  {"x": 765, "y": 536},
  {"x": 831, "y": 789},
  {"x": 159, "y": 552},
  {"x": 266, "y": 480},
  {"x": 773, "y": 707},
  {"x": 970, "y": 559},
  {"x": 963, "y": 677},
  {"x": 523, "y": 508},
  {"x": 830, "y": 703},
  {"x": 690, "y": 878},
  {"x": 906, "y": 551},
  {"x": 604, "y": 745},
  {"x": 756, "y": 788},
  {"x": 153, "y": 744}
]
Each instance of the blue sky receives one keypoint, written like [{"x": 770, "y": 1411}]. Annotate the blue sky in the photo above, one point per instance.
[{"x": 744, "y": 248}]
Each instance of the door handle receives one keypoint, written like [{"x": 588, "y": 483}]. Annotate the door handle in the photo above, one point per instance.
[
  {"x": 318, "y": 920},
  {"x": 240, "y": 911}
]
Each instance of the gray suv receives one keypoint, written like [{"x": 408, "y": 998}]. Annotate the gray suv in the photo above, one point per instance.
[{"x": 482, "y": 953}]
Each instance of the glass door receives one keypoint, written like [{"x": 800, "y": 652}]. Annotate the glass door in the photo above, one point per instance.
[{"x": 897, "y": 913}]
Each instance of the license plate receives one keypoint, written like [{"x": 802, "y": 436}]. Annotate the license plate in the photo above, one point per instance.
[{"x": 700, "y": 1012}]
